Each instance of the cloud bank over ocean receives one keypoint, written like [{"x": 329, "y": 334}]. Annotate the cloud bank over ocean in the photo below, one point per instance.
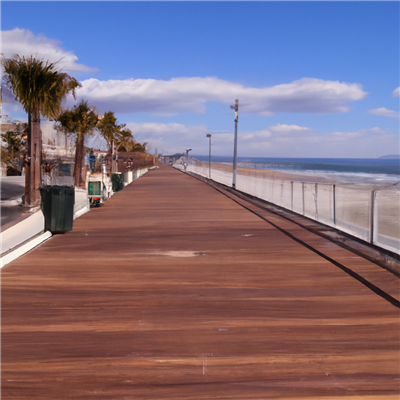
[{"x": 282, "y": 140}]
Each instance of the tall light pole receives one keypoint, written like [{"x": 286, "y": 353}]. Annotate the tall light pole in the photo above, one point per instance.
[
  {"x": 236, "y": 108},
  {"x": 187, "y": 158},
  {"x": 209, "y": 156}
]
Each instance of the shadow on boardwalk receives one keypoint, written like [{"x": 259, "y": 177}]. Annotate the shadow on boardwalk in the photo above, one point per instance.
[{"x": 173, "y": 290}]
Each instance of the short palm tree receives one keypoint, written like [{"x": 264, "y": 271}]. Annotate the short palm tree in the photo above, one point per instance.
[
  {"x": 81, "y": 121},
  {"x": 140, "y": 147},
  {"x": 111, "y": 131},
  {"x": 41, "y": 88},
  {"x": 126, "y": 142}
]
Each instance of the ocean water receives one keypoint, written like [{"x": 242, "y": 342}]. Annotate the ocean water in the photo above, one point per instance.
[{"x": 336, "y": 170}]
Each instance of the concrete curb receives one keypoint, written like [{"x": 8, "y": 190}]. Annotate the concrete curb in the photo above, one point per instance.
[
  {"x": 82, "y": 211},
  {"x": 11, "y": 202},
  {"x": 21, "y": 232},
  {"x": 33, "y": 242},
  {"x": 24, "y": 248},
  {"x": 20, "y": 249}
]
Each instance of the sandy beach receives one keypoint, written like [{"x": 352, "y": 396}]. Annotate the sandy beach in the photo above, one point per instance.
[{"x": 282, "y": 175}]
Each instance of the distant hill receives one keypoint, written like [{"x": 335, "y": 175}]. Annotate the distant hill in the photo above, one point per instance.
[{"x": 390, "y": 157}]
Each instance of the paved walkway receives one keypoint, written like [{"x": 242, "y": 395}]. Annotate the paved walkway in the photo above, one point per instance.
[
  {"x": 12, "y": 189},
  {"x": 172, "y": 290}
]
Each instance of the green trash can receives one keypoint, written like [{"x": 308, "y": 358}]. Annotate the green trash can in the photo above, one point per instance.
[
  {"x": 58, "y": 207},
  {"x": 117, "y": 180}
]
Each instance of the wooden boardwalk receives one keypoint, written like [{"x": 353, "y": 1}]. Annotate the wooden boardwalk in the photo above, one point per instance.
[{"x": 172, "y": 290}]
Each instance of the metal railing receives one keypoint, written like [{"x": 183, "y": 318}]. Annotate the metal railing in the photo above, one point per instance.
[{"x": 364, "y": 211}]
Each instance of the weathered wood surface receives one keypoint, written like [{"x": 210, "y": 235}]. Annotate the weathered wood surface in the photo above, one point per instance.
[{"x": 172, "y": 290}]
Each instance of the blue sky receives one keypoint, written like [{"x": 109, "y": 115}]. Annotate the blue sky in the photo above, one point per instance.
[{"x": 314, "y": 79}]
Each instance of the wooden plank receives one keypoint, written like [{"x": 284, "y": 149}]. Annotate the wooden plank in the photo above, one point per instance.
[{"x": 172, "y": 290}]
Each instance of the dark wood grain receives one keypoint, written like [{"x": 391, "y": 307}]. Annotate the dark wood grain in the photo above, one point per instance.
[{"x": 171, "y": 290}]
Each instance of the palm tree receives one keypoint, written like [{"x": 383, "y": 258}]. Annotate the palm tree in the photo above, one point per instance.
[
  {"x": 126, "y": 142},
  {"x": 111, "y": 131},
  {"x": 81, "y": 120},
  {"x": 14, "y": 152},
  {"x": 140, "y": 147},
  {"x": 41, "y": 88}
]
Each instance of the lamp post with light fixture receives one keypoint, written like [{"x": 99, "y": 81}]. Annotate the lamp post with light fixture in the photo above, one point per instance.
[{"x": 236, "y": 108}]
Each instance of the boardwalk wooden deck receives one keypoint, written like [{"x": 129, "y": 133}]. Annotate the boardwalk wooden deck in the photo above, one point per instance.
[{"x": 171, "y": 290}]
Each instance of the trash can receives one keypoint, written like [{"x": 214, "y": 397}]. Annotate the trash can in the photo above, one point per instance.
[
  {"x": 117, "y": 180},
  {"x": 58, "y": 207}
]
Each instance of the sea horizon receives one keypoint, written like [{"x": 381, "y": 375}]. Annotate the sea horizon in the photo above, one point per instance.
[{"x": 346, "y": 170}]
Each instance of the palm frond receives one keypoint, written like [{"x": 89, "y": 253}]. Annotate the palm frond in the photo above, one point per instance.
[
  {"x": 80, "y": 120},
  {"x": 38, "y": 85}
]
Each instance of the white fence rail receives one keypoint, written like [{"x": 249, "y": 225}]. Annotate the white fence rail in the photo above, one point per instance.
[{"x": 367, "y": 213}]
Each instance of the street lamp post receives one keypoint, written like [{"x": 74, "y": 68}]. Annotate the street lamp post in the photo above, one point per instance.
[
  {"x": 187, "y": 158},
  {"x": 236, "y": 108},
  {"x": 209, "y": 156}
]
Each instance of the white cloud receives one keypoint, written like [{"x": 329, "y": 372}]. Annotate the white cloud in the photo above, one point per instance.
[
  {"x": 283, "y": 128},
  {"x": 179, "y": 95},
  {"x": 279, "y": 140},
  {"x": 384, "y": 112},
  {"x": 256, "y": 135},
  {"x": 298, "y": 141},
  {"x": 24, "y": 43},
  {"x": 186, "y": 94},
  {"x": 170, "y": 138},
  {"x": 396, "y": 92}
]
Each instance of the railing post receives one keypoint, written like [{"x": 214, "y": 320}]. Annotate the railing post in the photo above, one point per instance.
[
  {"x": 374, "y": 217},
  {"x": 334, "y": 203},
  {"x": 291, "y": 184},
  {"x": 304, "y": 205},
  {"x": 316, "y": 201}
]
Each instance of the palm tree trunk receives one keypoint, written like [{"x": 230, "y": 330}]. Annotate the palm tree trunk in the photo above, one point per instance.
[
  {"x": 80, "y": 164},
  {"x": 83, "y": 167},
  {"x": 78, "y": 161},
  {"x": 33, "y": 177}
]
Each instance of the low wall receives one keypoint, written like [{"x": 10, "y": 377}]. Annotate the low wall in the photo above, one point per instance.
[
  {"x": 32, "y": 226},
  {"x": 131, "y": 176},
  {"x": 21, "y": 232},
  {"x": 81, "y": 202},
  {"x": 29, "y": 233}
]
